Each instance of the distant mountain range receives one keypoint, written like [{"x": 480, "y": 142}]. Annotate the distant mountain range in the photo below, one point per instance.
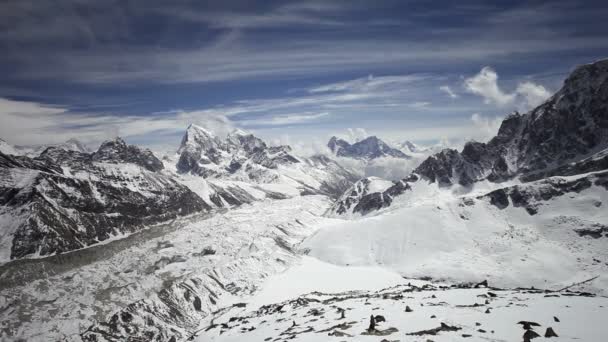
[
  {"x": 565, "y": 136},
  {"x": 63, "y": 197}
]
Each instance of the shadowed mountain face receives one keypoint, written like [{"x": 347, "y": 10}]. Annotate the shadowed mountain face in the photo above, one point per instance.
[
  {"x": 566, "y": 135},
  {"x": 368, "y": 148},
  {"x": 65, "y": 200}
]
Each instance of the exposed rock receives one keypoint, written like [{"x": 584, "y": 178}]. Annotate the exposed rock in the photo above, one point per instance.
[
  {"x": 435, "y": 331},
  {"x": 550, "y": 333},
  {"x": 529, "y": 335}
]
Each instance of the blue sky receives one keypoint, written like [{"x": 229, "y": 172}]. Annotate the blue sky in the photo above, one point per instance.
[{"x": 292, "y": 72}]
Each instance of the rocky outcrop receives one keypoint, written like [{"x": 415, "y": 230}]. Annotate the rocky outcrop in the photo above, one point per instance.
[
  {"x": 370, "y": 194},
  {"x": 531, "y": 196}
]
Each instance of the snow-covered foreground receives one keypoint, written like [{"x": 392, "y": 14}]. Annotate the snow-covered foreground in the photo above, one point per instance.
[{"x": 330, "y": 302}]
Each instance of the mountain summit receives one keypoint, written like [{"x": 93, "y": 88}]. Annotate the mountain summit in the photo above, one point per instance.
[{"x": 369, "y": 148}]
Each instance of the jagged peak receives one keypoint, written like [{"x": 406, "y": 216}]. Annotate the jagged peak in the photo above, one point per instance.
[
  {"x": 238, "y": 131},
  {"x": 197, "y": 129},
  {"x": 116, "y": 141}
]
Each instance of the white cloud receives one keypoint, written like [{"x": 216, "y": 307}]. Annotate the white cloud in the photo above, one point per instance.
[
  {"x": 446, "y": 89},
  {"x": 485, "y": 85},
  {"x": 526, "y": 96},
  {"x": 356, "y": 134},
  {"x": 533, "y": 94}
]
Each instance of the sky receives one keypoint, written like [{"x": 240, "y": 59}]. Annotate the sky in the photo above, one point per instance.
[{"x": 291, "y": 72}]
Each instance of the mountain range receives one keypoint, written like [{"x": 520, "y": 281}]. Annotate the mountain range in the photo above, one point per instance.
[{"x": 117, "y": 244}]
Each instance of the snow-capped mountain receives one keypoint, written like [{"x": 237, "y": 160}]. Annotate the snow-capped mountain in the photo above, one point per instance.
[
  {"x": 7, "y": 148},
  {"x": 409, "y": 147},
  {"x": 65, "y": 200},
  {"x": 35, "y": 150},
  {"x": 566, "y": 135},
  {"x": 250, "y": 164},
  {"x": 366, "y": 149}
]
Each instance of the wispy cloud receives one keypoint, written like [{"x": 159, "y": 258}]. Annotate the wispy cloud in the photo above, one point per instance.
[
  {"x": 27, "y": 123},
  {"x": 286, "y": 119},
  {"x": 446, "y": 89}
]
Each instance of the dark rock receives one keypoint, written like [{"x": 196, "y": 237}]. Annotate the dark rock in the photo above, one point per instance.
[
  {"x": 555, "y": 319},
  {"x": 527, "y": 325},
  {"x": 483, "y": 283},
  {"x": 550, "y": 333},
  {"x": 435, "y": 331},
  {"x": 408, "y": 309},
  {"x": 529, "y": 335},
  {"x": 379, "y": 318}
]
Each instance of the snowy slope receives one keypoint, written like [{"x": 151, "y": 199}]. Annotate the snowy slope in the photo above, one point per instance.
[{"x": 545, "y": 233}]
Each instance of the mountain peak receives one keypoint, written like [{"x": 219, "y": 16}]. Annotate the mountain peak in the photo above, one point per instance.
[
  {"x": 369, "y": 148},
  {"x": 564, "y": 136}
]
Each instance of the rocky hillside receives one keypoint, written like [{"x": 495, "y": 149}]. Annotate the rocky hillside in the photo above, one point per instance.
[
  {"x": 65, "y": 200},
  {"x": 566, "y": 135}
]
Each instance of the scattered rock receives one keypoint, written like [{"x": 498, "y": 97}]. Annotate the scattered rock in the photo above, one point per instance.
[
  {"x": 483, "y": 283},
  {"x": 435, "y": 331},
  {"x": 488, "y": 310},
  {"x": 550, "y": 333},
  {"x": 529, "y": 335}
]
